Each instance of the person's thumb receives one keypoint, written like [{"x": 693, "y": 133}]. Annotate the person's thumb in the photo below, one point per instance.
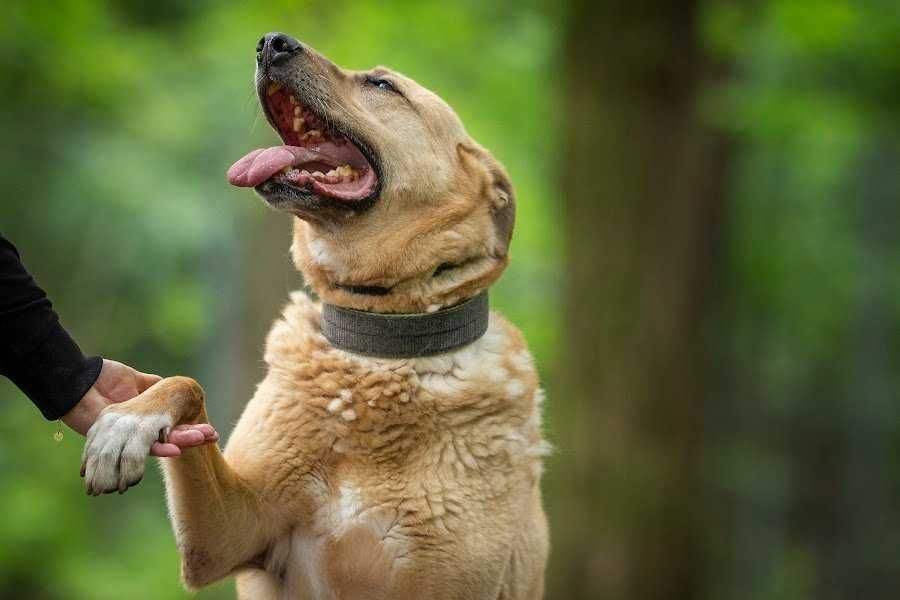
[{"x": 146, "y": 380}]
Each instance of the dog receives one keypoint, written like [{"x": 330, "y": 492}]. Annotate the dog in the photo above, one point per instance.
[{"x": 381, "y": 456}]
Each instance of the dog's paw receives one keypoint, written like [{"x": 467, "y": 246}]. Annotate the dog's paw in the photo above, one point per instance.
[{"x": 116, "y": 449}]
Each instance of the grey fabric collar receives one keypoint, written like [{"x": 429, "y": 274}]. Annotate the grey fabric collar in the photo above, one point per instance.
[{"x": 406, "y": 335}]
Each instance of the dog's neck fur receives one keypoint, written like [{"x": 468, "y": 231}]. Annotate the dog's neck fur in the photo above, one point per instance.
[{"x": 328, "y": 268}]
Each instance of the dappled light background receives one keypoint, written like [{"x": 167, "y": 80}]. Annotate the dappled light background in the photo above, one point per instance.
[{"x": 778, "y": 448}]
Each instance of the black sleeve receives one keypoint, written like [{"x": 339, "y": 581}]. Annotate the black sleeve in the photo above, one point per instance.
[{"x": 36, "y": 353}]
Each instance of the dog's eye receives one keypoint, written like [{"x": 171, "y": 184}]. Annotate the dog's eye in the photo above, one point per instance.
[{"x": 382, "y": 84}]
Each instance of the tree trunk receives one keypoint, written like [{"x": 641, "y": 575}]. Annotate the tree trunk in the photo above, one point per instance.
[{"x": 641, "y": 185}]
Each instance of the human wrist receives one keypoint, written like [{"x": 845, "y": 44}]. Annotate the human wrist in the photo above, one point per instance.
[{"x": 85, "y": 412}]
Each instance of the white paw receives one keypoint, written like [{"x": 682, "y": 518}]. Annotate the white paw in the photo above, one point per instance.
[{"x": 116, "y": 448}]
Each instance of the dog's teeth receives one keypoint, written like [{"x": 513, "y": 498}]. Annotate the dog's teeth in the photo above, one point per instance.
[
  {"x": 347, "y": 172},
  {"x": 333, "y": 172},
  {"x": 304, "y": 172},
  {"x": 273, "y": 87},
  {"x": 318, "y": 174}
]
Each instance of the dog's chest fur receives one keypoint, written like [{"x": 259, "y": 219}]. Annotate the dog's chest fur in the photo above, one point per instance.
[{"x": 381, "y": 463}]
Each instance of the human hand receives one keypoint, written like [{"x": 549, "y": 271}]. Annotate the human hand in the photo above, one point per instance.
[{"x": 119, "y": 382}]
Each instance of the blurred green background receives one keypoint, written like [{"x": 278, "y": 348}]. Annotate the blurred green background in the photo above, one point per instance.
[{"x": 706, "y": 265}]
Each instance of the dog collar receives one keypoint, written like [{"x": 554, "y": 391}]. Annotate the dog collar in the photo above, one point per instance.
[{"x": 406, "y": 335}]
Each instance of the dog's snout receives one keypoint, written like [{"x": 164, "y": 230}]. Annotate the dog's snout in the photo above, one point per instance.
[{"x": 274, "y": 48}]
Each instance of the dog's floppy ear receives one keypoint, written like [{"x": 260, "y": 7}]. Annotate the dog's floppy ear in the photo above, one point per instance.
[
  {"x": 497, "y": 190},
  {"x": 503, "y": 205}
]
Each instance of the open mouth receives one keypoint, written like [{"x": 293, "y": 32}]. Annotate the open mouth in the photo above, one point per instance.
[{"x": 315, "y": 158}]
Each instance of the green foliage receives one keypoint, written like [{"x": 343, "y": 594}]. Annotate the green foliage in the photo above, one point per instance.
[{"x": 805, "y": 411}]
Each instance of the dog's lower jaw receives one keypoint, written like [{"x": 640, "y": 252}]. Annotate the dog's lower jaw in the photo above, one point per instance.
[{"x": 309, "y": 206}]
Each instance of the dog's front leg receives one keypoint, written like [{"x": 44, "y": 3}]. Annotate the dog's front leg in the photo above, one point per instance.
[{"x": 215, "y": 514}]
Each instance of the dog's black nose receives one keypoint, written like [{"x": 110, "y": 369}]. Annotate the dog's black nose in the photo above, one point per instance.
[{"x": 275, "y": 47}]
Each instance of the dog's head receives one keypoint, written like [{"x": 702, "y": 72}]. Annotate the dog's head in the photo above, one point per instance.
[{"x": 399, "y": 209}]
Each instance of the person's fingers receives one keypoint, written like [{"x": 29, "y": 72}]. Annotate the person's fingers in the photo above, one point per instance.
[
  {"x": 186, "y": 438},
  {"x": 164, "y": 450},
  {"x": 206, "y": 429},
  {"x": 202, "y": 427},
  {"x": 145, "y": 380}
]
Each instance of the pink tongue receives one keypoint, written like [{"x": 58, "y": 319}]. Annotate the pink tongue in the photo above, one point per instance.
[{"x": 260, "y": 165}]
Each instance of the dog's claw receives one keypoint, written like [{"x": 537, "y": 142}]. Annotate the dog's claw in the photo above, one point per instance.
[{"x": 117, "y": 448}]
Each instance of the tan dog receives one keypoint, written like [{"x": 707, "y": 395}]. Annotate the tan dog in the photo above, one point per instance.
[{"x": 353, "y": 476}]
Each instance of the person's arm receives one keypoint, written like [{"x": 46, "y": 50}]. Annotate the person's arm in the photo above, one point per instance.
[
  {"x": 42, "y": 359},
  {"x": 36, "y": 352}
]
